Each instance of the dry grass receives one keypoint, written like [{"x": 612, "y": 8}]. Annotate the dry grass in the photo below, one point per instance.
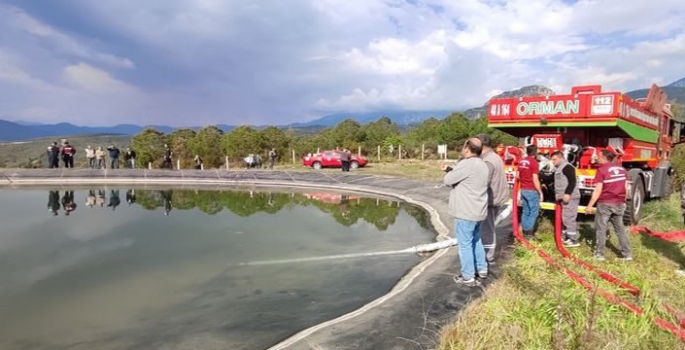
[{"x": 535, "y": 306}]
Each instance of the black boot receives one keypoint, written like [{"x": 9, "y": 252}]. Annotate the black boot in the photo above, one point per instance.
[{"x": 529, "y": 235}]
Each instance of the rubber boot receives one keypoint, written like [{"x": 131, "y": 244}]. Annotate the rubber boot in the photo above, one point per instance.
[{"x": 529, "y": 235}]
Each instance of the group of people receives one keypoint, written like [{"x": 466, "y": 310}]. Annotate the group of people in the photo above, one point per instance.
[
  {"x": 95, "y": 157},
  {"x": 66, "y": 152},
  {"x": 480, "y": 191}
]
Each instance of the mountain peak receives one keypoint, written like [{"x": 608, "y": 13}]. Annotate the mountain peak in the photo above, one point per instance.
[
  {"x": 526, "y": 91},
  {"x": 678, "y": 83}
]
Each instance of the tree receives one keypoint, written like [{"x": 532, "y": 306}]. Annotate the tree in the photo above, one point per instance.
[
  {"x": 348, "y": 134},
  {"x": 207, "y": 144},
  {"x": 179, "y": 142},
  {"x": 149, "y": 146},
  {"x": 273, "y": 137},
  {"x": 378, "y": 132},
  {"x": 242, "y": 141}
]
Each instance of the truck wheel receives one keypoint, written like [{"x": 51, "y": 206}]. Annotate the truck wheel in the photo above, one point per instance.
[
  {"x": 316, "y": 165},
  {"x": 668, "y": 189},
  {"x": 354, "y": 164},
  {"x": 634, "y": 204}
]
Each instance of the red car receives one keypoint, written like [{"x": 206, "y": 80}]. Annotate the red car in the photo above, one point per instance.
[{"x": 331, "y": 159}]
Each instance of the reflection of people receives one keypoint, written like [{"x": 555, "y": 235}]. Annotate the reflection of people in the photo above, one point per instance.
[
  {"x": 90, "y": 200},
  {"x": 131, "y": 196},
  {"x": 68, "y": 202},
  {"x": 101, "y": 198},
  {"x": 166, "y": 195},
  {"x": 469, "y": 182},
  {"x": 53, "y": 202},
  {"x": 114, "y": 200}
]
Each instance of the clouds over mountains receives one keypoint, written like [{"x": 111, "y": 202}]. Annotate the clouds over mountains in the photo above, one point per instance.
[{"x": 184, "y": 62}]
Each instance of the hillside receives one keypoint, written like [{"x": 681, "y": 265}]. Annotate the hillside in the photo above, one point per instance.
[
  {"x": 532, "y": 90},
  {"x": 675, "y": 92},
  {"x": 21, "y": 154},
  {"x": 399, "y": 117}
]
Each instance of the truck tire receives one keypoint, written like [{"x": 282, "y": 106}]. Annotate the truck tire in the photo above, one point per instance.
[
  {"x": 316, "y": 165},
  {"x": 668, "y": 189},
  {"x": 635, "y": 203},
  {"x": 354, "y": 164}
]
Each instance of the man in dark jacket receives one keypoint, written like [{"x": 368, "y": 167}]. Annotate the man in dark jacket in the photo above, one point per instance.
[
  {"x": 68, "y": 155},
  {"x": 130, "y": 158},
  {"x": 113, "y": 156},
  {"x": 53, "y": 156},
  {"x": 345, "y": 160}
]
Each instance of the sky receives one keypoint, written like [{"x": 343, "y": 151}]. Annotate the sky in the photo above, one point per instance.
[{"x": 200, "y": 62}]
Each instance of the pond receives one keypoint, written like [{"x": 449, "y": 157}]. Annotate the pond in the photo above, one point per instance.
[{"x": 120, "y": 268}]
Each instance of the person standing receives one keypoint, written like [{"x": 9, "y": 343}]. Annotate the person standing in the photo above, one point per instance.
[
  {"x": 68, "y": 155},
  {"x": 610, "y": 191},
  {"x": 53, "y": 156},
  {"x": 100, "y": 157},
  {"x": 130, "y": 158},
  {"x": 566, "y": 191},
  {"x": 498, "y": 195},
  {"x": 113, "y": 156},
  {"x": 345, "y": 159},
  {"x": 468, "y": 204},
  {"x": 167, "y": 157},
  {"x": 272, "y": 158},
  {"x": 90, "y": 156},
  {"x": 198, "y": 162},
  {"x": 349, "y": 158},
  {"x": 531, "y": 191}
]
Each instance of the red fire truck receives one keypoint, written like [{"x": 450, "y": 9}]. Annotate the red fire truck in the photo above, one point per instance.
[{"x": 580, "y": 124}]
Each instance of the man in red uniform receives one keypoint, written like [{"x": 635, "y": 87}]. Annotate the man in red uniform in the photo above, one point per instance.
[
  {"x": 531, "y": 192},
  {"x": 610, "y": 195}
]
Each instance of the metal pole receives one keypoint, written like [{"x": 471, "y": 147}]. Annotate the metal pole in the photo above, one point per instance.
[
  {"x": 293, "y": 156},
  {"x": 379, "y": 154},
  {"x": 399, "y": 152},
  {"x": 226, "y": 162},
  {"x": 359, "y": 151},
  {"x": 178, "y": 164},
  {"x": 423, "y": 150}
]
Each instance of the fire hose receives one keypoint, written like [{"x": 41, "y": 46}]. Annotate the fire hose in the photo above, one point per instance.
[
  {"x": 670, "y": 236},
  {"x": 610, "y": 297}
]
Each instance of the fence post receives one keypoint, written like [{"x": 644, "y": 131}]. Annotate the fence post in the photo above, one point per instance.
[
  {"x": 399, "y": 152},
  {"x": 202, "y": 166},
  {"x": 318, "y": 150},
  {"x": 423, "y": 150},
  {"x": 293, "y": 156},
  {"x": 226, "y": 162},
  {"x": 149, "y": 165},
  {"x": 359, "y": 151},
  {"x": 379, "y": 154},
  {"x": 178, "y": 164}
]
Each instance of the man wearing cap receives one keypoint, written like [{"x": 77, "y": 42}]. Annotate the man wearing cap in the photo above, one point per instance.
[{"x": 611, "y": 182}]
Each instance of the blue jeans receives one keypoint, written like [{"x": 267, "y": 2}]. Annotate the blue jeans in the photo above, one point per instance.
[
  {"x": 530, "y": 199},
  {"x": 471, "y": 251}
]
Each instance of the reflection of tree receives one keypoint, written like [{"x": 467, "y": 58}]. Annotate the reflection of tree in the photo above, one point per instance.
[
  {"x": 420, "y": 215},
  {"x": 346, "y": 211}
]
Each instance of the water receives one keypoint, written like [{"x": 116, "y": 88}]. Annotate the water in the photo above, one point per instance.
[{"x": 112, "y": 268}]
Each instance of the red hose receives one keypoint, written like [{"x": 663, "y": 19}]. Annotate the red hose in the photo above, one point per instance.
[
  {"x": 560, "y": 247},
  {"x": 579, "y": 279},
  {"x": 671, "y": 236}
]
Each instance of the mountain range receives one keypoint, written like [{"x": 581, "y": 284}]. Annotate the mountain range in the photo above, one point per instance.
[{"x": 21, "y": 131}]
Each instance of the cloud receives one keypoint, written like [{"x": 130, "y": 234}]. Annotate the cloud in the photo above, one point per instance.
[{"x": 189, "y": 62}]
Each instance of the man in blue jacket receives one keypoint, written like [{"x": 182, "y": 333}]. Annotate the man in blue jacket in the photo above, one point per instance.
[{"x": 113, "y": 156}]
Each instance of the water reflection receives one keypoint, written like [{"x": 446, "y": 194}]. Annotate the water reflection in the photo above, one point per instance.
[
  {"x": 113, "y": 276},
  {"x": 345, "y": 208}
]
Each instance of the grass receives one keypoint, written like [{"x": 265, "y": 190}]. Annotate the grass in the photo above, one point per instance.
[{"x": 536, "y": 306}]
